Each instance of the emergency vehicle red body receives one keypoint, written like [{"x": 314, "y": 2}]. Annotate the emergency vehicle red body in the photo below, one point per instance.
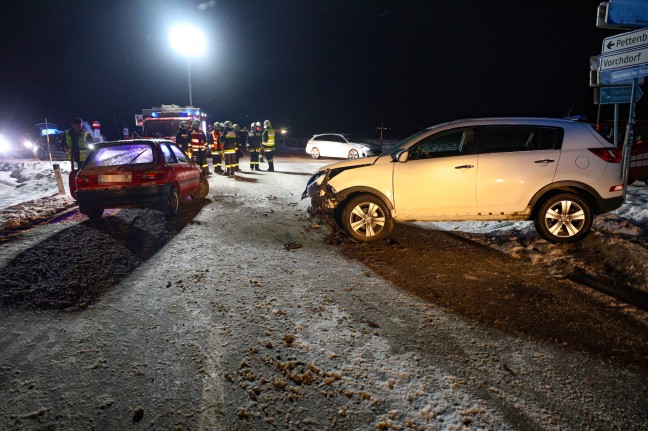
[{"x": 163, "y": 122}]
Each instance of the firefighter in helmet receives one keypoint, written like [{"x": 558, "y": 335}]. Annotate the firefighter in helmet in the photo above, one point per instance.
[
  {"x": 229, "y": 148},
  {"x": 198, "y": 141},
  {"x": 239, "y": 153},
  {"x": 76, "y": 143},
  {"x": 216, "y": 148},
  {"x": 269, "y": 144},
  {"x": 253, "y": 145},
  {"x": 182, "y": 138}
]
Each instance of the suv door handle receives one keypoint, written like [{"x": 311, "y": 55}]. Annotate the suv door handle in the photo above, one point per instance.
[
  {"x": 544, "y": 161},
  {"x": 464, "y": 167}
]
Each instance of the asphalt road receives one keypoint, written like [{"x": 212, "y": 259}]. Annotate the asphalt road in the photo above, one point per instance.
[{"x": 243, "y": 314}]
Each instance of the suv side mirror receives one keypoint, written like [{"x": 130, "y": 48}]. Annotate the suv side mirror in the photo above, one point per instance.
[{"x": 401, "y": 156}]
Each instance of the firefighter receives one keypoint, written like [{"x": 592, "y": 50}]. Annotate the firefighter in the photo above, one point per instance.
[
  {"x": 182, "y": 138},
  {"x": 258, "y": 124},
  {"x": 239, "y": 153},
  {"x": 198, "y": 140},
  {"x": 75, "y": 143},
  {"x": 253, "y": 145},
  {"x": 269, "y": 144},
  {"x": 216, "y": 149},
  {"x": 229, "y": 148}
]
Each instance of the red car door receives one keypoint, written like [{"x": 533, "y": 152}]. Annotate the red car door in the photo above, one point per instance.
[{"x": 186, "y": 173}]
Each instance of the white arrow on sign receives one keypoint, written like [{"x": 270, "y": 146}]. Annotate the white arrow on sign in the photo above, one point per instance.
[
  {"x": 637, "y": 57},
  {"x": 621, "y": 42}
]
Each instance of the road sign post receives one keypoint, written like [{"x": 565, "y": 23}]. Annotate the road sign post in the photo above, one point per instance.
[{"x": 629, "y": 139}]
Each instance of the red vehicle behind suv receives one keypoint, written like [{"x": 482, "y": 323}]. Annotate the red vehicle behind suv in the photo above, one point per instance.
[
  {"x": 137, "y": 173},
  {"x": 639, "y": 155}
]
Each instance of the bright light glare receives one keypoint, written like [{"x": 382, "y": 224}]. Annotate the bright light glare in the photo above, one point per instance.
[
  {"x": 187, "y": 40},
  {"x": 4, "y": 145},
  {"x": 28, "y": 144}
]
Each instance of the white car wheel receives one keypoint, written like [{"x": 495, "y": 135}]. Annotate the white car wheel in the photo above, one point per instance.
[
  {"x": 366, "y": 218},
  {"x": 353, "y": 154},
  {"x": 315, "y": 153},
  {"x": 563, "y": 218}
]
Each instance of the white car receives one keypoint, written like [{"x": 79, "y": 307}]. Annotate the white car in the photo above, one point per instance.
[
  {"x": 558, "y": 173},
  {"x": 340, "y": 146}
]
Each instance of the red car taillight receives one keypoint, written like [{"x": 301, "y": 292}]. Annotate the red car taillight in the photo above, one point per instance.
[
  {"x": 157, "y": 174},
  {"x": 610, "y": 155},
  {"x": 82, "y": 181}
]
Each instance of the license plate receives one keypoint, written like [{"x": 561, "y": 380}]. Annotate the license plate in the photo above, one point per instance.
[{"x": 123, "y": 178}]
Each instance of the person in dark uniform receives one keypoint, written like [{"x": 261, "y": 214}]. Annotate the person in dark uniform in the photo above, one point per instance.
[
  {"x": 216, "y": 148},
  {"x": 253, "y": 145},
  {"x": 198, "y": 141},
  {"x": 182, "y": 138},
  {"x": 229, "y": 148}
]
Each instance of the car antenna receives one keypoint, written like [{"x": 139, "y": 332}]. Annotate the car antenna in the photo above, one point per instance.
[
  {"x": 569, "y": 111},
  {"x": 116, "y": 123}
]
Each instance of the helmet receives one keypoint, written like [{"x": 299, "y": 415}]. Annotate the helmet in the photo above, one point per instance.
[
  {"x": 183, "y": 124},
  {"x": 76, "y": 120},
  {"x": 258, "y": 124},
  {"x": 195, "y": 122},
  {"x": 267, "y": 124},
  {"x": 252, "y": 126},
  {"x": 236, "y": 127},
  {"x": 227, "y": 124},
  {"x": 217, "y": 124}
]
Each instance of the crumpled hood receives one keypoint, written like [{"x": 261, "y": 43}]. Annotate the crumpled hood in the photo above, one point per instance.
[{"x": 363, "y": 161}]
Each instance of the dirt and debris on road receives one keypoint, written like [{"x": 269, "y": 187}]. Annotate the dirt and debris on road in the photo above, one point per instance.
[{"x": 243, "y": 314}]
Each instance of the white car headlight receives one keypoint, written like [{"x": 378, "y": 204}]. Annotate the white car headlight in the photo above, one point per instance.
[{"x": 28, "y": 144}]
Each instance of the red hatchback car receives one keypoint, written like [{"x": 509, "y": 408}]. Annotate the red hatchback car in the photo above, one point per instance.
[{"x": 146, "y": 173}]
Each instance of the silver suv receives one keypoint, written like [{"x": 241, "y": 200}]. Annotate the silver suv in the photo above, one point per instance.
[{"x": 558, "y": 173}]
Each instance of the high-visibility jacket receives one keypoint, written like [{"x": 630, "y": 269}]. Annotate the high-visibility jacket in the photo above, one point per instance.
[
  {"x": 198, "y": 140},
  {"x": 217, "y": 145},
  {"x": 269, "y": 139},
  {"x": 82, "y": 146}
]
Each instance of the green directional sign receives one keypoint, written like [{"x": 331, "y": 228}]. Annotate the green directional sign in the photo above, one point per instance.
[{"x": 612, "y": 95}]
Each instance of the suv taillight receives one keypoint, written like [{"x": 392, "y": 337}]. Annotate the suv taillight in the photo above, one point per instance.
[{"x": 610, "y": 155}]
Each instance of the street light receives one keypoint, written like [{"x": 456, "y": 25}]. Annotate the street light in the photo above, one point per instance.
[{"x": 189, "y": 41}]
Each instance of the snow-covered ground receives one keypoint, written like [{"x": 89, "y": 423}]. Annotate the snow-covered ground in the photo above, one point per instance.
[{"x": 617, "y": 249}]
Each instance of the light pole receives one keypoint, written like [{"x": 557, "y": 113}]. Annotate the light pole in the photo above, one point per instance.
[{"x": 188, "y": 41}]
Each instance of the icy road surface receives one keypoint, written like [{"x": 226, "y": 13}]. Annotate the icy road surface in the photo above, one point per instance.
[{"x": 243, "y": 314}]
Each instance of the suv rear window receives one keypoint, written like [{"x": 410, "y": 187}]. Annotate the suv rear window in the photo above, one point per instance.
[{"x": 117, "y": 155}]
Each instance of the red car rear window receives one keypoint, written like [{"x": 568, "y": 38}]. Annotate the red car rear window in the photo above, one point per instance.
[{"x": 127, "y": 154}]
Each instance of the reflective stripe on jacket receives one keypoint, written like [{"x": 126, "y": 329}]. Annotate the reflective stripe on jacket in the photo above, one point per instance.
[
  {"x": 269, "y": 138},
  {"x": 198, "y": 140},
  {"x": 83, "y": 144}
]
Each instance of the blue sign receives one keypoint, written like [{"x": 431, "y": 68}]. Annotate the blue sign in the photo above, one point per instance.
[
  {"x": 613, "y": 95},
  {"x": 605, "y": 78},
  {"x": 622, "y": 75},
  {"x": 630, "y": 13}
]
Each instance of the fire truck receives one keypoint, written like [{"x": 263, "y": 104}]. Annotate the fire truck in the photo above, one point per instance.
[{"x": 164, "y": 121}]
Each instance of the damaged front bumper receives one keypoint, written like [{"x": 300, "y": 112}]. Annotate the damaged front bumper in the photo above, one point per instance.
[{"x": 323, "y": 198}]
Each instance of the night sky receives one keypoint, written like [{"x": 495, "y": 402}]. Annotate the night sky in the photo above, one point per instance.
[{"x": 312, "y": 65}]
